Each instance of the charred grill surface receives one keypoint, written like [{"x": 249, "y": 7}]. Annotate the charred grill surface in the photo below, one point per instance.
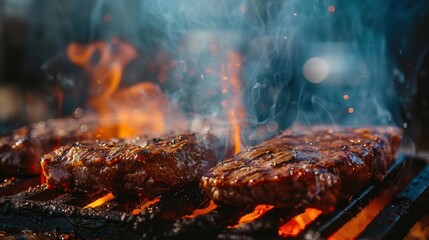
[
  {"x": 21, "y": 151},
  {"x": 211, "y": 223},
  {"x": 304, "y": 167},
  {"x": 42, "y": 209},
  {"x": 54, "y": 210},
  {"x": 141, "y": 167}
]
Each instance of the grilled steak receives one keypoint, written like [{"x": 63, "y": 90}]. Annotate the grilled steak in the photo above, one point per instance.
[
  {"x": 304, "y": 167},
  {"x": 141, "y": 167},
  {"x": 21, "y": 151}
]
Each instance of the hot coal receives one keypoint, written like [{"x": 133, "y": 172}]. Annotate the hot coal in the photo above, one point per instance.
[
  {"x": 304, "y": 167},
  {"x": 139, "y": 167}
]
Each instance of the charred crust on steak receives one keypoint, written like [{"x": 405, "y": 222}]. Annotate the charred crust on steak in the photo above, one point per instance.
[
  {"x": 130, "y": 167},
  {"x": 20, "y": 152},
  {"x": 316, "y": 166}
]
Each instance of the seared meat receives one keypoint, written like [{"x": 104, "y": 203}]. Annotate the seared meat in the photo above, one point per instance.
[
  {"x": 145, "y": 168},
  {"x": 304, "y": 167},
  {"x": 21, "y": 151}
]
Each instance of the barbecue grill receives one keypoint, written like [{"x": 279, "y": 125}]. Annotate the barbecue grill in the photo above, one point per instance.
[
  {"x": 53, "y": 212},
  {"x": 252, "y": 67}
]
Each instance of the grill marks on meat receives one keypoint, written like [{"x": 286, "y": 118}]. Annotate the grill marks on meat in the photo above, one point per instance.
[
  {"x": 304, "y": 167},
  {"x": 140, "y": 167},
  {"x": 20, "y": 152}
]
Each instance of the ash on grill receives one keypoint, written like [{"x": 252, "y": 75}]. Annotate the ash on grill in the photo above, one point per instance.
[{"x": 51, "y": 210}]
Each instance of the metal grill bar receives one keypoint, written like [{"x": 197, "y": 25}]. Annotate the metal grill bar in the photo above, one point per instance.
[
  {"x": 402, "y": 212},
  {"x": 326, "y": 225},
  {"x": 41, "y": 210},
  {"x": 208, "y": 225},
  {"x": 266, "y": 227}
]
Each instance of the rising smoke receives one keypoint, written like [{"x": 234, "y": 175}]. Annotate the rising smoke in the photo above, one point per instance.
[
  {"x": 276, "y": 40},
  {"x": 354, "y": 80}
]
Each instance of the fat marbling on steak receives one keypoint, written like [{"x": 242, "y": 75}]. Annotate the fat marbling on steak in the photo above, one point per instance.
[
  {"x": 304, "y": 167},
  {"x": 139, "y": 167}
]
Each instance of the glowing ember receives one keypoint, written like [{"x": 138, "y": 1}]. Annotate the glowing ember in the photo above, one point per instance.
[
  {"x": 233, "y": 107},
  {"x": 331, "y": 9},
  {"x": 298, "y": 223},
  {"x": 212, "y": 206},
  {"x": 346, "y": 97},
  {"x": 351, "y": 110},
  {"x": 355, "y": 226},
  {"x": 420, "y": 230},
  {"x": 250, "y": 217},
  {"x": 100, "y": 201},
  {"x": 144, "y": 206}
]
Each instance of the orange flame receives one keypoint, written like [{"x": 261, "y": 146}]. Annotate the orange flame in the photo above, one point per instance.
[
  {"x": 129, "y": 111},
  {"x": 100, "y": 201},
  {"x": 144, "y": 206},
  {"x": 212, "y": 206},
  {"x": 107, "y": 72},
  {"x": 293, "y": 227},
  {"x": 136, "y": 110},
  {"x": 230, "y": 81},
  {"x": 250, "y": 217}
]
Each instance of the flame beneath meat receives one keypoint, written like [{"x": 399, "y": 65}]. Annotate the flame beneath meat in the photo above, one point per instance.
[
  {"x": 212, "y": 206},
  {"x": 256, "y": 214},
  {"x": 356, "y": 225},
  {"x": 233, "y": 106},
  {"x": 136, "y": 110},
  {"x": 100, "y": 201},
  {"x": 144, "y": 206},
  {"x": 143, "y": 108},
  {"x": 294, "y": 226}
]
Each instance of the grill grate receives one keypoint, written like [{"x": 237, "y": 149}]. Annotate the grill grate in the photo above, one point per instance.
[
  {"x": 326, "y": 225},
  {"x": 51, "y": 210},
  {"x": 403, "y": 211}
]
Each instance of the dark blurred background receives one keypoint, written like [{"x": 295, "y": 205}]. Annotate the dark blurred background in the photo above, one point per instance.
[{"x": 35, "y": 34}]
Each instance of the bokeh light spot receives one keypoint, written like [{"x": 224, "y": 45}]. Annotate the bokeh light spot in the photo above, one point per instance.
[{"x": 315, "y": 70}]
